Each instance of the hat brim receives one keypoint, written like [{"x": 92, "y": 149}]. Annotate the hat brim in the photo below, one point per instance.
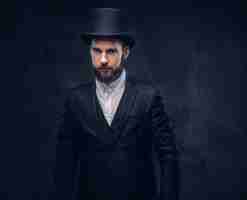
[{"x": 125, "y": 37}]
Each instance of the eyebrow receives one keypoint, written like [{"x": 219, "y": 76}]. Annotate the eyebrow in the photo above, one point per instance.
[
  {"x": 107, "y": 50},
  {"x": 112, "y": 49},
  {"x": 96, "y": 49}
]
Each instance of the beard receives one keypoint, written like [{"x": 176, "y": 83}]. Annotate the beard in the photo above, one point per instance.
[{"x": 108, "y": 74}]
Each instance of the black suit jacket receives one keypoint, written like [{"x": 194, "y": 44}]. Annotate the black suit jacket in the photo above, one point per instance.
[{"x": 98, "y": 161}]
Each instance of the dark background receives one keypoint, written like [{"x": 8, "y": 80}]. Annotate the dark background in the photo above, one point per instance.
[{"x": 194, "y": 50}]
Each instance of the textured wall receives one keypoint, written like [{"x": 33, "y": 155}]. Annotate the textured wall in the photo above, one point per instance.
[{"x": 196, "y": 55}]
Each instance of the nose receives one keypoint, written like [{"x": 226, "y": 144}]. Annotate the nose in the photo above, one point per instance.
[{"x": 103, "y": 59}]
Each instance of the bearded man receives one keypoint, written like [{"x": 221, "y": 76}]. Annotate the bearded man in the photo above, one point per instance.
[{"x": 114, "y": 126}]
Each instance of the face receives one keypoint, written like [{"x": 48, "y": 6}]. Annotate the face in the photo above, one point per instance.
[{"x": 107, "y": 56}]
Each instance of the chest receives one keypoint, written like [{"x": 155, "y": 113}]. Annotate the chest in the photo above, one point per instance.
[
  {"x": 109, "y": 102},
  {"x": 130, "y": 127}
]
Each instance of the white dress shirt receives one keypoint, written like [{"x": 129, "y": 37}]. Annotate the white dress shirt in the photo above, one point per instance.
[{"x": 110, "y": 95}]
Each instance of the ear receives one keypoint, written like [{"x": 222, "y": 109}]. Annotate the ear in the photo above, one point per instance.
[
  {"x": 126, "y": 52},
  {"x": 91, "y": 45}
]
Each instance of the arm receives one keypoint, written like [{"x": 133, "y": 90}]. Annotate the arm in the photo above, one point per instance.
[
  {"x": 66, "y": 153},
  {"x": 164, "y": 144}
]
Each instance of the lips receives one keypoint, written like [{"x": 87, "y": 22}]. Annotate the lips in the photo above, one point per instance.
[{"x": 105, "y": 69}]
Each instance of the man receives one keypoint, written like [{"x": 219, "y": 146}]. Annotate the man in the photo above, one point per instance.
[{"x": 113, "y": 127}]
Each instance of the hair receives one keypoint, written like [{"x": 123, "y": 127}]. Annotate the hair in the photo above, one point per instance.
[{"x": 122, "y": 41}]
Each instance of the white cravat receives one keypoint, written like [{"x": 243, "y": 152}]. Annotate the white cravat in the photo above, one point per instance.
[{"x": 110, "y": 95}]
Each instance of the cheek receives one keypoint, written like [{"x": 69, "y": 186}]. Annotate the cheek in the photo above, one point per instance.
[
  {"x": 116, "y": 61},
  {"x": 95, "y": 60}
]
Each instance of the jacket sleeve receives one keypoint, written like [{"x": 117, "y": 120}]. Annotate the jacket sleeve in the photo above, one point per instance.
[
  {"x": 164, "y": 145},
  {"x": 66, "y": 154}
]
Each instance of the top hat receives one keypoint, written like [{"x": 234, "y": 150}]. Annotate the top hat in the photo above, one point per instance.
[{"x": 108, "y": 22}]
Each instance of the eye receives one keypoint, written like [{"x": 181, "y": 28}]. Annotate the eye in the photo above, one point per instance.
[
  {"x": 111, "y": 51},
  {"x": 96, "y": 50}
]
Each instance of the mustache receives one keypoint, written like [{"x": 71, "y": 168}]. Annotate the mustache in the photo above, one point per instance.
[{"x": 104, "y": 68}]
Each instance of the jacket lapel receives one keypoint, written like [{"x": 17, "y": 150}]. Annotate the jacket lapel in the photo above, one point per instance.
[
  {"x": 97, "y": 124},
  {"x": 125, "y": 104}
]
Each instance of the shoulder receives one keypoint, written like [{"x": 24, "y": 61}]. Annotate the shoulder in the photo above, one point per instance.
[
  {"x": 147, "y": 92},
  {"x": 82, "y": 86},
  {"x": 77, "y": 90},
  {"x": 147, "y": 88}
]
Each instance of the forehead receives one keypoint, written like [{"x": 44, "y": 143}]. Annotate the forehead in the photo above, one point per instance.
[{"x": 106, "y": 43}]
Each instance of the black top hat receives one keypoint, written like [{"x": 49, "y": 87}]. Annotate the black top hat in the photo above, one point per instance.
[{"x": 108, "y": 22}]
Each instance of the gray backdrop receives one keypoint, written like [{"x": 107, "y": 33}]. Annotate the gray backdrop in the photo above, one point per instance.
[{"x": 195, "y": 52}]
